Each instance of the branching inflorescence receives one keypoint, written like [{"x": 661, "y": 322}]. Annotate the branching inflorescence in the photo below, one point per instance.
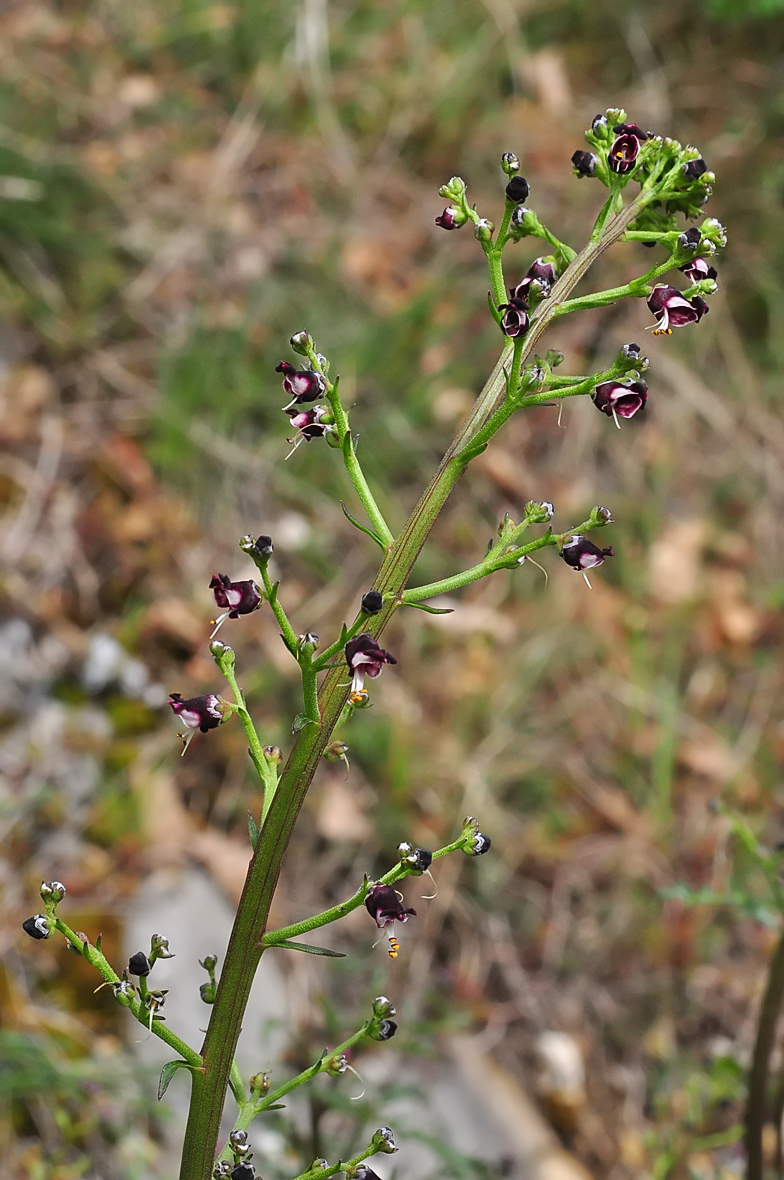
[{"x": 673, "y": 180}]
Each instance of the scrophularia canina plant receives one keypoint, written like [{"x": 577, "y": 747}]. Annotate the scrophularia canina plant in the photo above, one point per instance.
[{"x": 670, "y": 182}]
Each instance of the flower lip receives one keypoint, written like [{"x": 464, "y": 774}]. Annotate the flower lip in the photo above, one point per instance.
[
  {"x": 673, "y": 310},
  {"x": 202, "y": 713},
  {"x": 308, "y": 423},
  {"x": 623, "y": 153},
  {"x": 517, "y": 190},
  {"x": 698, "y": 268},
  {"x": 302, "y": 385},
  {"x": 385, "y": 907},
  {"x": 623, "y": 398},
  {"x": 514, "y": 318},
  {"x": 581, "y": 554},
  {"x": 239, "y": 598},
  {"x": 632, "y": 129},
  {"x": 365, "y": 658}
]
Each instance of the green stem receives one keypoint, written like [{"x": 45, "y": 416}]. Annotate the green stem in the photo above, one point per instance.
[
  {"x": 357, "y": 477},
  {"x": 457, "y": 581},
  {"x": 237, "y": 1086},
  {"x": 757, "y": 1109},
  {"x": 325, "y": 1173},
  {"x": 101, "y": 964},
  {"x": 264, "y": 769},
  {"x": 288, "y": 633},
  {"x": 310, "y": 693},
  {"x": 245, "y": 946},
  {"x": 637, "y": 287},
  {"x": 494, "y": 256}
]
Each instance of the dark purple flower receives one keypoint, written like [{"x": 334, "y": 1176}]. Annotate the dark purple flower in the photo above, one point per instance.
[
  {"x": 363, "y": 1172},
  {"x": 694, "y": 169},
  {"x": 244, "y": 1170},
  {"x": 308, "y": 423},
  {"x": 38, "y": 926},
  {"x": 698, "y": 269},
  {"x": 385, "y": 1031},
  {"x": 623, "y": 398},
  {"x": 449, "y": 219},
  {"x": 626, "y": 147},
  {"x": 139, "y": 964},
  {"x": 690, "y": 239},
  {"x": 584, "y": 163},
  {"x": 365, "y": 658},
  {"x": 239, "y": 598},
  {"x": 674, "y": 310},
  {"x": 202, "y": 713},
  {"x": 384, "y": 905},
  {"x": 372, "y": 602},
  {"x": 514, "y": 318},
  {"x": 582, "y": 554},
  {"x": 539, "y": 279},
  {"x": 301, "y": 385},
  {"x": 517, "y": 190},
  {"x": 480, "y": 844}
]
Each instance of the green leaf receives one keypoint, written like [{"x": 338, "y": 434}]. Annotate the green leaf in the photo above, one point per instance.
[
  {"x": 494, "y": 312},
  {"x": 300, "y": 721},
  {"x": 431, "y": 610},
  {"x": 168, "y": 1072},
  {"x": 276, "y": 1106},
  {"x": 308, "y": 949},
  {"x": 361, "y": 527},
  {"x": 253, "y": 831}
]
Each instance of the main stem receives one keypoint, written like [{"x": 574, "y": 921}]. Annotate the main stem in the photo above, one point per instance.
[
  {"x": 208, "y": 1092},
  {"x": 757, "y": 1099}
]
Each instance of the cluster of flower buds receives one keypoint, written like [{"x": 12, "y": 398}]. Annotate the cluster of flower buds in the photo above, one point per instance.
[
  {"x": 207, "y": 991},
  {"x": 364, "y": 658},
  {"x": 41, "y": 925},
  {"x": 383, "y": 1027},
  {"x": 474, "y": 842},
  {"x": 457, "y": 213}
]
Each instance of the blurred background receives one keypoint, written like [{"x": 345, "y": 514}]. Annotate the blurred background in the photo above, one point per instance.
[{"x": 183, "y": 184}]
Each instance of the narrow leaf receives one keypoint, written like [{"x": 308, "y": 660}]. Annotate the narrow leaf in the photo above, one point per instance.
[
  {"x": 494, "y": 312},
  {"x": 253, "y": 831},
  {"x": 431, "y": 610},
  {"x": 361, "y": 527},
  {"x": 309, "y": 950},
  {"x": 276, "y": 1106},
  {"x": 167, "y": 1073}
]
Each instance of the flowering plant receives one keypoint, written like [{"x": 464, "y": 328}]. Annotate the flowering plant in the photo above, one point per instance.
[{"x": 673, "y": 181}]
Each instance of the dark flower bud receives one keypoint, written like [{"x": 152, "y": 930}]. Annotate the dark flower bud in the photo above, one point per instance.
[
  {"x": 301, "y": 342},
  {"x": 52, "y": 892},
  {"x": 364, "y": 1172},
  {"x": 480, "y": 844},
  {"x": 523, "y": 221},
  {"x": 372, "y": 602},
  {"x": 202, "y": 713},
  {"x": 621, "y": 398},
  {"x": 631, "y": 352},
  {"x": 301, "y": 385},
  {"x": 581, "y": 554},
  {"x": 510, "y": 163},
  {"x": 37, "y": 926},
  {"x": 674, "y": 310},
  {"x": 139, "y": 964},
  {"x": 584, "y": 163},
  {"x": 599, "y": 124},
  {"x": 365, "y": 658},
  {"x": 483, "y": 230},
  {"x": 514, "y": 318},
  {"x": 698, "y": 269},
  {"x": 263, "y": 547},
  {"x": 238, "y": 1140},
  {"x": 222, "y": 1170},
  {"x": 159, "y": 947},
  {"x": 419, "y": 859},
  {"x": 690, "y": 239},
  {"x": 243, "y": 1171},
  {"x": 308, "y": 642},
  {"x": 124, "y": 991},
  {"x": 694, "y": 169},
  {"x": 384, "y": 1141},
  {"x": 385, "y": 1031},
  {"x": 517, "y": 190},
  {"x": 451, "y": 218},
  {"x": 385, "y": 907},
  {"x": 238, "y": 598},
  {"x": 383, "y": 1008}
]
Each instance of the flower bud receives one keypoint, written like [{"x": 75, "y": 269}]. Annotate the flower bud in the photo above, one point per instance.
[
  {"x": 139, "y": 964},
  {"x": 52, "y": 892},
  {"x": 584, "y": 163},
  {"x": 690, "y": 239},
  {"x": 385, "y": 1030},
  {"x": 159, "y": 948},
  {"x": 523, "y": 221},
  {"x": 273, "y": 755},
  {"x": 335, "y": 1066},
  {"x": 384, "y": 1141},
  {"x": 517, "y": 190},
  {"x": 694, "y": 169},
  {"x": 480, "y": 844},
  {"x": 600, "y": 125},
  {"x": 238, "y": 1142},
  {"x": 124, "y": 991},
  {"x": 244, "y": 1170},
  {"x": 419, "y": 859},
  {"x": 37, "y": 926},
  {"x": 483, "y": 230},
  {"x": 301, "y": 343},
  {"x": 539, "y": 511},
  {"x": 601, "y": 515},
  {"x": 372, "y": 602},
  {"x": 383, "y": 1008},
  {"x": 319, "y": 1165},
  {"x": 363, "y": 1172},
  {"x": 219, "y": 650},
  {"x": 475, "y": 843},
  {"x": 259, "y": 1083},
  {"x": 454, "y": 190},
  {"x": 451, "y": 218},
  {"x": 222, "y": 1170},
  {"x": 713, "y": 231}
]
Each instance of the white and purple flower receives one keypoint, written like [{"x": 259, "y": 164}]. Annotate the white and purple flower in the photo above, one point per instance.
[
  {"x": 199, "y": 713},
  {"x": 365, "y": 658},
  {"x": 673, "y": 310},
  {"x": 698, "y": 269},
  {"x": 235, "y": 598},
  {"x": 626, "y": 147},
  {"x": 581, "y": 554},
  {"x": 301, "y": 385},
  {"x": 620, "y": 399}
]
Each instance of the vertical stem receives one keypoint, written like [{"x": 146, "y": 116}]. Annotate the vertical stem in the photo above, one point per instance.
[{"x": 757, "y": 1100}]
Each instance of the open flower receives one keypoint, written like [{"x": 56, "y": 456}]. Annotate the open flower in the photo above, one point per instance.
[
  {"x": 674, "y": 310},
  {"x": 620, "y": 398},
  {"x": 365, "y": 658},
  {"x": 308, "y": 423},
  {"x": 385, "y": 907},
  {"x": 514, "y": 318},
  {"x": 539, "y": 279},
  {"x": 301, "y": 385},
  {"x": 199, "y": 713},
  {"x": 235, "y": 598},
  {"x": 626, "y": 147},
  {"x": 581, "y": 554},
  {"x": 697, "y": 269},
  {"x": 451, "y": 218}
]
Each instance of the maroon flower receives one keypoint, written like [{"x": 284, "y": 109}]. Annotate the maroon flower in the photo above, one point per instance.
[
  {"x": 384, "y": 905},
  {"x": 621, "y": 398},
  {"x": 514, "y": 320},
  {"x": 690, "y": 239},
  {"x": 308, "y": 423},
  {"x": 301, "y": 385},
  {"x": 538, "y": 280},
  {"x": 365, "y": 658},
  {"x": 202, "y": 713},
  {"x": 694, "y": 169},
  {"x": 626, "y": 147},
  {"x": 674, "y": 310},
  {"x": 239, "y": 598},
  {"x": 581, "y": 554},
  {"x": 449, "y": 219},
  {"x": 698, "y": 269},
  {"x": 584, "y": 163},
  {"x": 38, "y": 926},
  {"x": 517, "y": 190}
]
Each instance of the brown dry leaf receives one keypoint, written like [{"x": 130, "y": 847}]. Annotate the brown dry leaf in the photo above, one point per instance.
[
  {"x": 175, "y": 618},
  {"x": 341, "y": 815},
  {"x": 225, "y": 858},
  {"x": 509, "y": 474},
  {"x": 709, "y": 756},
  {"x": 738, "y": 621},
  {"x": 675, "y": 562}
]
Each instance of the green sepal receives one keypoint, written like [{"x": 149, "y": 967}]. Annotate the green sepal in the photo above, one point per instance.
[
  {"x": 308, "y": 949},
  {"x": 168, "y": 1072},
  {"x": 253, "y": 831},
  {"x": 361, "y": 527},
  {"x": 431, "y": 610},
  {"x": 300, "y": 721}
]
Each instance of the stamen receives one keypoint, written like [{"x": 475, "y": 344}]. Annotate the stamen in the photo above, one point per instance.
[
  {"x": 430, "y": 896},
  {"x": 356, "y": 1097},
  {"x": 615, "y": 419},
  {"x": 186, "y": 740},
  {"x": 219, "y": 623},
  {"x": 560, "y": 412},
  {"x": 296, "y": 444},
  {"x": 588, "y": 584},
  {"x": 539, "y": 567}
]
